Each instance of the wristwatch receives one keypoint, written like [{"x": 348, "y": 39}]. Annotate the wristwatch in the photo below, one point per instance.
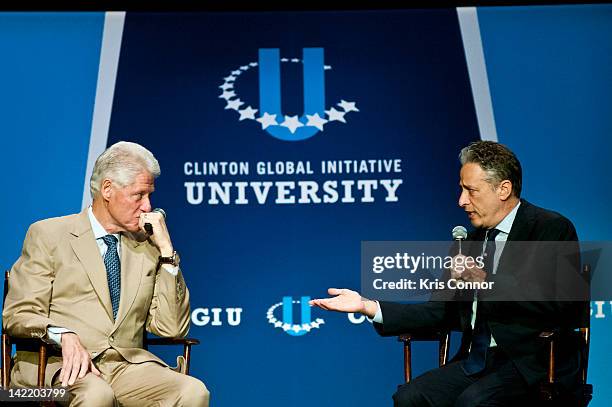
[{"x": 174, "y": 259}]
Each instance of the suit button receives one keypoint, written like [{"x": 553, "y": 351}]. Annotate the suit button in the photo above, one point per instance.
[{"x": 112, "y": 339}]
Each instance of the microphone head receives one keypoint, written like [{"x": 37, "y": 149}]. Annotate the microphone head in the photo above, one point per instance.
[
  {"x": 459, "y": 233},
  {"x": 160, "y": 210}
]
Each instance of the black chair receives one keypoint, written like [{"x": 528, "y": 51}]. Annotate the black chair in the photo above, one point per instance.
[
  {"x": 549, "y": 389},
  {"x": 443, "y": 338}
]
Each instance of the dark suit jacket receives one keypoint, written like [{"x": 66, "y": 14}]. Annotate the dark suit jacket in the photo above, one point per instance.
[{"x": 515, "y": 325}]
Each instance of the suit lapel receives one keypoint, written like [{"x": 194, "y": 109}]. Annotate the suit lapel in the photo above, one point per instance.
[
  {"x": 131, "y": 273},
  {"x": 520, "y": 232},
  {"x": 521, "y": 228},
  {"x": 86, "y": 250}
]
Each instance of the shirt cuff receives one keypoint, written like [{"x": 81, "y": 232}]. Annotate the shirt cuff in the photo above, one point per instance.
[
  {"x": 54, "y": 335},
  {"x": 171, "y": 269},
  {"x": 378, "y": 317}
]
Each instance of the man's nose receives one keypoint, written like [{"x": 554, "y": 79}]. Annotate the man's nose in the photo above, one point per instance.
[
  {"x": 463, "y": 199},
  {"x": 146, "y": 205}
]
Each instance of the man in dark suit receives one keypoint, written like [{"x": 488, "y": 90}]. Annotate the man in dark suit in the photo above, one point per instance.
[{"x": 501, "y": 356}]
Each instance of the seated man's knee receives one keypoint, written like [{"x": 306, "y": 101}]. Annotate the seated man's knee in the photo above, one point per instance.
[
  {"x": 409, "y": 395},
  {"x": 471, "y": 397},
  {"x": 193, "y": 393},
  {"x": 92, "y": 391}
]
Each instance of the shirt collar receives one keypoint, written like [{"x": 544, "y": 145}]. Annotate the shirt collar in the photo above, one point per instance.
[
  {"x": 97, "y": 228},
  {"x": 506, "y": 223}
]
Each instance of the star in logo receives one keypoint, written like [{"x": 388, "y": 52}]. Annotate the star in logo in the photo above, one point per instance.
[
  {"x": 234, "y": 104},
  {"x": 348, "y": 106},
  {"x": 316, "y": 121},
  {"x": 227, "y": 86},
  {"x": 230, "y": 78},
  {"x": 227, "y": 95},
  {"x": 335, "y": 115},
  {"x": 248, "y": 113},
  {"x": 267, "y": 120},
  {"x": 292, "y": 123}
]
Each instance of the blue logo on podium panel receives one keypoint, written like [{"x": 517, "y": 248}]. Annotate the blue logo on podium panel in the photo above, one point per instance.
[{"x": 287, "y": 325}]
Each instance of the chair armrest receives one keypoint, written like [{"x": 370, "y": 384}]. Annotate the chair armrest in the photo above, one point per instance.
[
  {"x": 36, "y": 345},
  {"x": 549, "y": 337},
  {"x": 27, "y": 344},
  {"x": 186, "y": 342},
  {"x": 433, "y": 335},
  {"x": 173, "y": 341}
]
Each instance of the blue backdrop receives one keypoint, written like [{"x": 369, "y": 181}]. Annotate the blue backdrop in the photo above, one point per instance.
[{"x": 242, "y": 253}]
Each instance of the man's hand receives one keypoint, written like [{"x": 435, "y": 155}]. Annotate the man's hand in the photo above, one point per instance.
[
  {"x": 474, "y": 274},
  {"x": 346, "y": 301},
  {"x": 76, "y": 360},
  {"x": 457, "y": 267},
  {"x": 466, "y": 270},
  {"x": 160, "y": 236}
]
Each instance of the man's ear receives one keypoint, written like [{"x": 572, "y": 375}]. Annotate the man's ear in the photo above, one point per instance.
[
  {"x": 504, "y": 190},
  {"x": 106, "y": 189}
]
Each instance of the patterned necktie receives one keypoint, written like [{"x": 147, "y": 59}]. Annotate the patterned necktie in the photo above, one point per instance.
[
  {"x": 481, "y": 337},
  {"x": 113, "y": 271}
]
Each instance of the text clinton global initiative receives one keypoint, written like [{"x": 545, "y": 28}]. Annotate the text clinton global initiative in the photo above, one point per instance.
[{"x": 354, "y": 181}]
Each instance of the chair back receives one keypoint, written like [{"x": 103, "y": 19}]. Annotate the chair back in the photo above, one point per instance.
[{"x": 6, "y": 343}]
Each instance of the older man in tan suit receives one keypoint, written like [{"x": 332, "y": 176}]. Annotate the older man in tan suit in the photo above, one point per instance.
[{"x": 92, "y": 282}]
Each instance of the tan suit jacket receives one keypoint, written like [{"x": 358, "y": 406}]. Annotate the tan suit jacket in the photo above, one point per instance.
[{"x": 60, "y": 280}]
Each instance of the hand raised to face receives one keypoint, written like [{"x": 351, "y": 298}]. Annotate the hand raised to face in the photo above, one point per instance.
[{"x": 160, "y": 236}]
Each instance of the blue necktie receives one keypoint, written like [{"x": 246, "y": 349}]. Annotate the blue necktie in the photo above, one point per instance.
[
  {"x": 481, "y": 336},
  {"x": 113, "y": 271}
]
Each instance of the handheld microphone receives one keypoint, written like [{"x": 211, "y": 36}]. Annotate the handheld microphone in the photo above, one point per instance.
[
  {"x": 459, "y": 234},
  {"x": 147, "y": 226}
]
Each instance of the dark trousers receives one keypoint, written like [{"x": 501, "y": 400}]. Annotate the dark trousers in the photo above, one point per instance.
[{"x": 499, "y": 384}]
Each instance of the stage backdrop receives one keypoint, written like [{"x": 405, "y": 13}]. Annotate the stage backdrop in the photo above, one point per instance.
[{"x": 286, "y": 139}]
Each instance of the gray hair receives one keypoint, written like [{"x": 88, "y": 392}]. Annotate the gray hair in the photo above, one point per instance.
[
  {"x": 497, "y": 160},
  {"x": 122, "y": 163}
]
